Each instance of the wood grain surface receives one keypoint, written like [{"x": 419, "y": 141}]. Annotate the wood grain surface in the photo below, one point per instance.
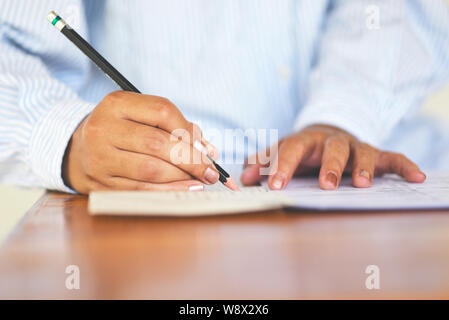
[{"x": 268, "y": 255}]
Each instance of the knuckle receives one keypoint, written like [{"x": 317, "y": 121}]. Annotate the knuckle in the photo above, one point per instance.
[
  {"x": 340, "y": 139},
  {"x": 164, "y": 112},
  {"x": 165, "y": 108},
  {"x": 397, "y": 157},
  {"x": 114, "y": 98},
  {"x": 156, "y": 142},
  {"x": 319, "y": 136},
  {"x": 328, "y": 141},
  {"x": 335, "y": 143},
  {"x": 384, "y": 155},
  {"x": 364, "y": 152},
  {"x": 298, "y": 146},
  {"x": 294, "y": 143},
  {"x": 364, "y": 147},
  {"x": 291, "y": 143},
  {"x": 341, "y": 135},
  {"x": 290, "y": 159},
  {"x": 149, "y": 171},
  {"x": 165, "y": 101},
  {"x": 402, "y": 157},
  {"x": 382, "y": 158},
  {"x": 92, "y": 129}
]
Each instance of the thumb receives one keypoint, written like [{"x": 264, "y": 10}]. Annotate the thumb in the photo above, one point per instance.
[{"x": 252, "y": 173}]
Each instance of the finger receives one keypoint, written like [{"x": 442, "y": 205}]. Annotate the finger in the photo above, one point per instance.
[
  {"x": 194, "y": 136},
  {"x": 291, "y": 152},
  {"x": 251, "y": 175},
  {"x": 120, "y": 183},
  {"x": 334, "y": 160},
  {"x": 210, "y": 149},
  {"x": 149, "y": 110},
  {"x": 257, "y": 166},
  {"x": 364, "y": 164},
  {"x": 390, "y": 162},
  {"x": 142, "y": 167},
  {"x": 161, "y": 113},
  {"x": 139, "y": 138}
]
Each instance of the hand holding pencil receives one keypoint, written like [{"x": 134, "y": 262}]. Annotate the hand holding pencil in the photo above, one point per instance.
[{"x": 126, "y": 142}]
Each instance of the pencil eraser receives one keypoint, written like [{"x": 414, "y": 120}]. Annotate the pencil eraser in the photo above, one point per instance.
[{"x": 51, "y": 16}]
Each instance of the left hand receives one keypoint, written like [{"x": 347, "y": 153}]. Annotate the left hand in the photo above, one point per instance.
[{"x": 332, "y": 151}]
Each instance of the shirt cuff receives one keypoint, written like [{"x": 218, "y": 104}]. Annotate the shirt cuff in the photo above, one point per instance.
[{"x": 49, "y": 139}]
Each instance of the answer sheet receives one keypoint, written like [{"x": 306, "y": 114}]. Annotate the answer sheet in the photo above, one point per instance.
[{"x": 387, "y": 192}]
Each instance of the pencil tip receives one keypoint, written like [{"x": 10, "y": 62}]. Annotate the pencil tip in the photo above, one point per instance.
[{"x": 231, "y": 185}]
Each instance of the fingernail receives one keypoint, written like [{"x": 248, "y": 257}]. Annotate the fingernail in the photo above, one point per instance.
[
  {"x": 278, "y": 182},
  {"x": 196, "y": 187},
  {"x": 210, "y": 149},
  {"x": 423, "y": 175},
  {"x": 199, "y": 146},
  {"x": 365, "y": 174},
  {"x": 332, "y": 178},
  {"x": 246, "y": 176},
  {"x": 211, "y": 176}
]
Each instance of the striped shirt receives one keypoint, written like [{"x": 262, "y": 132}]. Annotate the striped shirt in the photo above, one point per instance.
[{"x": 364, "y": 66}]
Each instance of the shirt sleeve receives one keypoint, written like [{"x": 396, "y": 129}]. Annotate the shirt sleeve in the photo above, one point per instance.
[
  {"x": 39, "y": 106},
  {"x": 375, "y": 64}
]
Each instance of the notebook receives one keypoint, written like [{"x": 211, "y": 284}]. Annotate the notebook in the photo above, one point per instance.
[
  {"x": 387, "y": 193},
  {"x": 177, "y": 203}
]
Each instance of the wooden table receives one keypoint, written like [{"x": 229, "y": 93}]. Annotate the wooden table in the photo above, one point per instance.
[{"x": 271, "y": 255}]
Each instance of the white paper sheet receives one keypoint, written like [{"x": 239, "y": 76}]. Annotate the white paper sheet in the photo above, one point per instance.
[{"x": 388, "y": 192}]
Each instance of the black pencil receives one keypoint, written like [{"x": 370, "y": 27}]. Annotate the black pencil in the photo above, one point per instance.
[{"x": 115, "y": 75}]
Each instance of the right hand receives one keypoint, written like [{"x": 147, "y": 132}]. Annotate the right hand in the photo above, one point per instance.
[{"x": 126, "y": 142}]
